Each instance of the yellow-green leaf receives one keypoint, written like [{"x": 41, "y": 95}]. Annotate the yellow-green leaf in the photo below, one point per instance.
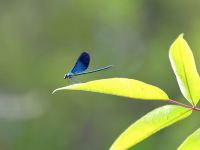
[
  {"x": 120, "y": 87},
  {"x": 183, "y": 64},
  {"x": 192, "y": 142},
  {"x": 150, "y": 124}
]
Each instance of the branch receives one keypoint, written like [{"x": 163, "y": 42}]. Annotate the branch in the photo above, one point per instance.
[{"x": 184, "y": 105}]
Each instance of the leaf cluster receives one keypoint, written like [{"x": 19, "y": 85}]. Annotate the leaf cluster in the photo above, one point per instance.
[{"x": 183, "y": 65}]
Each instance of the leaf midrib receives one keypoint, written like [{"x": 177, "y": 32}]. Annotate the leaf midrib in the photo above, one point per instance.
[{"x": 186, "y": 78}]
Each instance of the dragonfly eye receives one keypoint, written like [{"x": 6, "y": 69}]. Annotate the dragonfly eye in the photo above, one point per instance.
[
  {"x": 69, "y": 75},
  {"x": 66, "y": 76}
]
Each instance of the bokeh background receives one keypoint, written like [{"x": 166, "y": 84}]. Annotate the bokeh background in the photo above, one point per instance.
[{"x": 40, "y": 41}]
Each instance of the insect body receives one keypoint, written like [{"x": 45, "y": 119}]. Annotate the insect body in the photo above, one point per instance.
[{"x": 81, "y": 65}]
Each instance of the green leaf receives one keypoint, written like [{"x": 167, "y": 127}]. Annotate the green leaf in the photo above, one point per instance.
[
  {"x": 192, "y": 142},
  {"x": 183, "y": 64},
  {"x": 150, "y": 124},
  {"x": 120, "y": 87}
]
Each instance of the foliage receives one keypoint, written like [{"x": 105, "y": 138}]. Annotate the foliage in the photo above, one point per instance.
[
  {"x": 192, "y": 142},
  {"x": 184, "y": 67}
]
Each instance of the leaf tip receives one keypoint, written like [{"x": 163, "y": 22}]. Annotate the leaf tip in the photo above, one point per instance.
[
  {"x": 69, "y": 87},
  {"x": 181, "y": 35},
  {"x": 179, "y": 39},
  {"x": 54, "y": 91}
]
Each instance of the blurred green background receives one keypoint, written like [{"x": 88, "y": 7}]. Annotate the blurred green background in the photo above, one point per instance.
[{"x": 40, "y": 41}]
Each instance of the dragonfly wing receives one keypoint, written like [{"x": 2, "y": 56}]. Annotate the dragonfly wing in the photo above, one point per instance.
[{"x": 82, "y": 63}]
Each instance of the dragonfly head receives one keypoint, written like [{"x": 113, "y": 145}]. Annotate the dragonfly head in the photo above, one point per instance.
[{"x": 68, "y": 75}]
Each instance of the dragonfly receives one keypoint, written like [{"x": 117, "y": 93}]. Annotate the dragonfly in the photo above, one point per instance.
[{"x": 81, "y": 65}]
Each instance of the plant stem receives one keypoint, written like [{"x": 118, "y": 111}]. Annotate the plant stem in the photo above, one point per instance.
[{"x": 184, "y": 105}]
